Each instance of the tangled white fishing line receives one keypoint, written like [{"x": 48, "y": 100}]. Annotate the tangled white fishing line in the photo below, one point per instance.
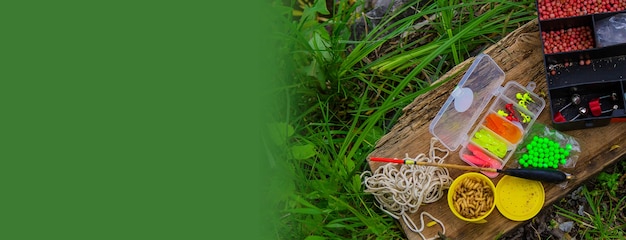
[{"x": 400, "y": 192}]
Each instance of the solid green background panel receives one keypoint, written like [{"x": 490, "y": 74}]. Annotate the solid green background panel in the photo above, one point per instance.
[{"x": 131, "y": 120}]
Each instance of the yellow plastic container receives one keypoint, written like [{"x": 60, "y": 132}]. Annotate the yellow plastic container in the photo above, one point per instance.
[
  {"x": 516, "y": 198},
  {"x": 519, "y": 199},
  {"x": 457, "y": 184}
]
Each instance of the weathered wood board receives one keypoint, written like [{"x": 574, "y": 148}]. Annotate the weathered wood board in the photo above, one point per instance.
[{"x": 519, "y": 55}]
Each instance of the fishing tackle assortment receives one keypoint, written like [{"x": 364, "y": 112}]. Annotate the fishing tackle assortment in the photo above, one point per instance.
[{"x": 499, "y": 136}]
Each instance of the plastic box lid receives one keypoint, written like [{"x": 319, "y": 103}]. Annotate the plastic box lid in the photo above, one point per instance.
[
  {"x": 519, "y": 199},
  {"x": 481, "y": 82}
]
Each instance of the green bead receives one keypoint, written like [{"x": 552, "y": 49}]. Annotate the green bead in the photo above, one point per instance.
[
  {"x": 534, "y": 164},
  {"x": 568, "y": 147},
  {"x": 535, "y": 138},
  {"x": 555, "y": 166},
  {"x": 545, "y": 165},
  {"x": 566, "y": 154},
  {"x": 525, "y": 165},
  {"x": 563, "y": 161}
]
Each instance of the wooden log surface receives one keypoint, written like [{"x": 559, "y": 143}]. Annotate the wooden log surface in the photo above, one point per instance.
[{"x": 520, "y": 57}]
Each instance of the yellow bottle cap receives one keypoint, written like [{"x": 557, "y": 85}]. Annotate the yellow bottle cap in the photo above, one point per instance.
[{"x": 519, "y": 199}]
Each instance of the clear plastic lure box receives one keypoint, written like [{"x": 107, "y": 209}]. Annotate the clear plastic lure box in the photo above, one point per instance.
[{"x": 489, "y": 139}]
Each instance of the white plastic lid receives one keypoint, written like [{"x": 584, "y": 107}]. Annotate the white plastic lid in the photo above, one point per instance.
[{"x": 454, "y": 120}]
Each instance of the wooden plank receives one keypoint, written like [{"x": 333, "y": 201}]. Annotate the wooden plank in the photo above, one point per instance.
[{"x": 519, "y": 55}]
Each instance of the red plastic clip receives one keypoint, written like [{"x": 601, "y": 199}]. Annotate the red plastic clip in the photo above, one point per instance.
[
  {"x": 594, "y": 107},
  {"x": 558, "y": 117}
]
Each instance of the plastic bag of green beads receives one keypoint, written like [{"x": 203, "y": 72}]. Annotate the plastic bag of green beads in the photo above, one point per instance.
[{"x": 544, "y": 147}]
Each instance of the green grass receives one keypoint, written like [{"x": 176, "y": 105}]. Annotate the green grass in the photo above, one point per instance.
[
  {"x": 605, "y": 206},
  {"x": 337, "y": 96},
  {"x": 605, "y": 218}
]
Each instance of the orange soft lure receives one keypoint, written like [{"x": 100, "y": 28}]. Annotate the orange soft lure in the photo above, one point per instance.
[{"x": 504, "y": 128}]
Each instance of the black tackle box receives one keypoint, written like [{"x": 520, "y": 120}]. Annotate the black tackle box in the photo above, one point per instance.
[{"x": 586, "y": 85}]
